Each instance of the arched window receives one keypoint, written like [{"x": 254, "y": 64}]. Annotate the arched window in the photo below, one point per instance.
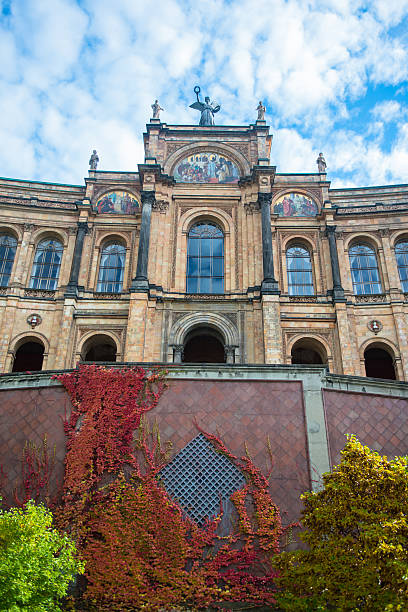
[
  {"x": 47, "y": 264},
  {"x": 205, "y": 259},
  {"x": 401, "y": 253},
  {"x": 111, "y": 268},
  {"x": 364, "y": 270},
  {"x": 8, "y": 246},
  {"x": 299, "y": 267}
]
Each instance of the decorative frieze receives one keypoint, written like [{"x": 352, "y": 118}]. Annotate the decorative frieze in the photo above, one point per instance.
[
  {"x": 252, "y": 207},
  {"x": 39, "y": 293},
  {"x": 161, "y": 206},
  {"x": 303, "y": 299},
  {"x": 371, "y": 299}
]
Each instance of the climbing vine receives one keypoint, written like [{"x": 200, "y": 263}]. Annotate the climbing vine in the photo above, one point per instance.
[{"x": 141, "y": 550}]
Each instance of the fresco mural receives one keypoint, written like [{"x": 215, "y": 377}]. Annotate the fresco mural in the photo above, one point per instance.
[
  {"x": 295, "y": 205},
  {"x": 206, "y": 167},
  {"x": 118, "y": 202}
]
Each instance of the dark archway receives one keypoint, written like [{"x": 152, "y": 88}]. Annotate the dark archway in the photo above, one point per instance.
[
  {"x": 308, "y": 351},
  {"x": 379, "y": 364},
  {"x": 29, "y": 357},
  {"x": 99, "y": 348},
  {"x": 204, "y": 345}
]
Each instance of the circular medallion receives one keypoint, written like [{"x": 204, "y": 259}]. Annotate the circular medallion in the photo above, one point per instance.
[
  {"x": 34, "y": 320},
  {"x": 375, "y": 326}
]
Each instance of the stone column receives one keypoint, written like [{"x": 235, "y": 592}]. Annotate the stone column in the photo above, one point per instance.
[
  {"x": 140, "y": 282},
  {"x": 269, "y": 284},
  {"x": 76, "y": 259},
  {"x": 338, "y": 291},
  {"x": 178, "y": 353},
  {"x": 229, "y": 354}
]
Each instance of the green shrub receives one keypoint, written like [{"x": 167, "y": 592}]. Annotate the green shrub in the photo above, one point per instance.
[
  {"x": 356, "y": 530},
  {"x": 36, "y": 562}
]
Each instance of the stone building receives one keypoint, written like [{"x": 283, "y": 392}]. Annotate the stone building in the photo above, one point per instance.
[{"x": 204, "y": 254}]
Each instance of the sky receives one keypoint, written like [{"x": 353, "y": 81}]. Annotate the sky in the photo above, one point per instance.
[{"x": 82, "y": 74}]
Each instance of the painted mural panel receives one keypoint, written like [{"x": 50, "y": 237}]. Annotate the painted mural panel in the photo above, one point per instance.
[
  {"x": 295, "y": 205},
  {"x": 117, "y": 202},
  {"x": 206, "y": 167}
]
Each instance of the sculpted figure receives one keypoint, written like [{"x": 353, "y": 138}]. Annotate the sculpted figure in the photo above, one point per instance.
[
  {"x": 93, "y": 162},
  {"x": 207, "y": 108},
  {"x": 261, "y": 111},
  {"x": 321, "y": 163},
  {"x": 156, "y": 109}
]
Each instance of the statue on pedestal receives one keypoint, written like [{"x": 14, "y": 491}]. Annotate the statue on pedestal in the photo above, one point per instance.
[
  {"x": 156, "y": 109},
  {"x": 261, "y": 111},
  {"x": 321, "y": 164},
  {"x": 207, "y": 108},
  {"x": 93, "y": 162}
]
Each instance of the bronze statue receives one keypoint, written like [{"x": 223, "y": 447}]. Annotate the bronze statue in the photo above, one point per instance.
[
  {"x": 206, "y": 108},
  {"x": 93, "y": 162}
]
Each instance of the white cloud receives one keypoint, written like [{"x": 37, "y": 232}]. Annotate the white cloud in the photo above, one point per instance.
[{"x": 78, "y": 75}]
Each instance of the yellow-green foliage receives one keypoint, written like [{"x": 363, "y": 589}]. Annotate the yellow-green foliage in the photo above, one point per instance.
[
  {"x": 36, "y": 562},
  {"x": 356, "y": 530}
]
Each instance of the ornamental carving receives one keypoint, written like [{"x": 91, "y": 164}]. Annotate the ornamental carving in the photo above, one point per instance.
[
  {"x": 303, "y": 299},
  {"x": 160, "y": 206},
  {"x": 107, "y": 296},
  {"x": 251, "y": 207},
  {"x": 3, "y": 290},
  {"x": 375, "y": 326},
  {"x": 39, "y": 293},
  {"x": 369, "y": 299},
  {"x": 34, "y": 320}
]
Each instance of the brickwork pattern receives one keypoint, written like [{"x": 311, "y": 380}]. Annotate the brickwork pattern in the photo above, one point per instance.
[
  {"x": 380, "y": 422},
  {"x": 28, "y": 415},
  {"x": 244, "y": 413}
]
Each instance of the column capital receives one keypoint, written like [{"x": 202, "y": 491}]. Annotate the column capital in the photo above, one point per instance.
[
  {"x": 330, "y": 229},
  {"x": 148, "y": 197},
  {"x": 264, "y": 198}
]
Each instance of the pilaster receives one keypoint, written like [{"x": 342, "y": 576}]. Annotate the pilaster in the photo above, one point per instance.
[
  {"x": 272, "y": 328},
  {"x": 136, "y": 331}
]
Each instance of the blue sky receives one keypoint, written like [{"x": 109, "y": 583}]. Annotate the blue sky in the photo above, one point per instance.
[{"x": 78, "y": 75}]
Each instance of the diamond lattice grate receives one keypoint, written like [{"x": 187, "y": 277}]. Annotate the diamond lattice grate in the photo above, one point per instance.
[{"x": 197, "y": 477}]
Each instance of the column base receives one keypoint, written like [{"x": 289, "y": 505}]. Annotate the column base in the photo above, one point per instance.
[
  {"x": 269, "y": 287},
  {"x": 139, "y": 285},
  {"x": 338, "y": 294}
]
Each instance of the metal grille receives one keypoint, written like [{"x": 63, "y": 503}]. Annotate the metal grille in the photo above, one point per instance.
[{"x": 198, "y": 477}]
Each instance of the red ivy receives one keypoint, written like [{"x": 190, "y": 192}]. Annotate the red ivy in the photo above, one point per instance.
[{"x": 141, "y": 550}]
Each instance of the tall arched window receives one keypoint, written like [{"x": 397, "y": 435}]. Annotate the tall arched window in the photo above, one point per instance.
[
  {"x": 111, "y": 268},
  {"x": 47, "y": 264},
  {"x": 364, "y": 270},
  {"x": 401, "y": 254},
  {"x": 299, "y": 267},
  {"x": 205, "y": 259},
  {"x": 8, "y": 246}
]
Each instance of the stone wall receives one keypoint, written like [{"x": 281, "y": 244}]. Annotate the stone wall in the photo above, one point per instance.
[{"x": 304, "y": 411}]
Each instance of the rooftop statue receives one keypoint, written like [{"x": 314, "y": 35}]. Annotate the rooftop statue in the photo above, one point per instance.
[
  {"x": 156, "y": 109},
  {"x": 261, "y": 111},
  {"x": 207, "y": 108},
  {"x": 321, "y": 164},
  {"x": 93, "y": 162}
]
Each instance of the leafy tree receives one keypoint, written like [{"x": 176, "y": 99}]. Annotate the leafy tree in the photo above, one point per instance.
[
  {"x": 36, "y": 562},
  {"x": 356, "y": 530}
]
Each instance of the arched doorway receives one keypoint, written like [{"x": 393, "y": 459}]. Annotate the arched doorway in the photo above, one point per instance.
[
  {"x": 99, "y": 348},
  {"x": 308, "y": 351},
  {"x": 379, "y": 363},
  {"x": 29, "y": 357},
  {"x": 204, "y": 345}
]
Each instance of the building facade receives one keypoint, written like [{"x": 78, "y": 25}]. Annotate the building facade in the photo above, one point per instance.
[{"x": 204, "y": 254}]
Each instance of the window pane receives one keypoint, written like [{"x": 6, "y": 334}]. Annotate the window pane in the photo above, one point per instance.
[
  {"x": 205, "y": 261},
  {"x": 192, "y": 285},
  {"x": 193, "y": 246},
  {"x": 192, "y": 266},
  {"x": 206, "y": 247},
  {"x": 205, "y": 267},
  {"x": 218, "y": 285},
  {"x": 205, "y": 285}
]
